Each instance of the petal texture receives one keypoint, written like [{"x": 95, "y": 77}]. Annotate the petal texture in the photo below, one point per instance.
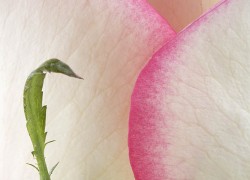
[
  {"x": 106, "y": 42},
  {"x": 191, "y": 104}
]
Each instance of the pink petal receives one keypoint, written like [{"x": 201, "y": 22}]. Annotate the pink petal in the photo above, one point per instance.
[{"x": 190, "y": 107}]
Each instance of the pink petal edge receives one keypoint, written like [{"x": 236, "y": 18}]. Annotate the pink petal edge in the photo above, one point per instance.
[{"x": 146, "y": 142}]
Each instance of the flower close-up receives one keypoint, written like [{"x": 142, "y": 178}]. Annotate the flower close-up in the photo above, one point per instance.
[{"x": 164, "y": 94}]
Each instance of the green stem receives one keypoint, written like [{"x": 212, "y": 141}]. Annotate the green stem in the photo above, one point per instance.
[
  {"x": 35, "y": 112},
  {"x": 43, "y": 170}
]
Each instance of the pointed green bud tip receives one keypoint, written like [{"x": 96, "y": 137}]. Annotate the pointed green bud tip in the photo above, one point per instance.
[
  {"x": 57, "y": 66},
  {"x": 35, "y": 111}
]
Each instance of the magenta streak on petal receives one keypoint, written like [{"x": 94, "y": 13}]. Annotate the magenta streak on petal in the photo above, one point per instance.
[{"x": 145, "y": 152}]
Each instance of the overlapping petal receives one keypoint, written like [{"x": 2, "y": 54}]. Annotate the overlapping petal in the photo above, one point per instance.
[{"x": 191, "y": 104}]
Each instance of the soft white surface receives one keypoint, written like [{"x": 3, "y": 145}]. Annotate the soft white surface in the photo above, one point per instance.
[
  {"x": 106, "y": 42},
  {"x": 208, "y": 109}
]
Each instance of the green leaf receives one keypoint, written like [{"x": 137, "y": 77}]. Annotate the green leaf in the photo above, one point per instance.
[{"x": 35, "y": 112}]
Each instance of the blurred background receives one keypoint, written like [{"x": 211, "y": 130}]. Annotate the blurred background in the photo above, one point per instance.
[{"x": 180, "y": 13}]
